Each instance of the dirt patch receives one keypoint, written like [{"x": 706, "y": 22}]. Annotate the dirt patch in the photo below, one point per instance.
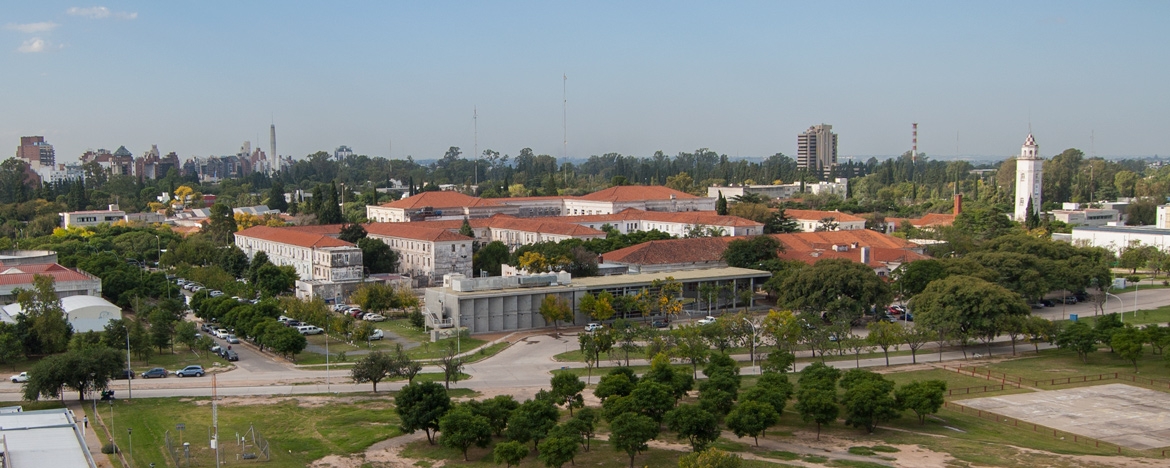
[
  {"x": 915, "y": 456},
  {"x": 384, "y": 454}
]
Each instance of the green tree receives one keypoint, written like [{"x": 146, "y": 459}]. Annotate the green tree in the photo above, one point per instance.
[
  {"x": 614, "y": 384},
  {"x": 751, "y": 252},
  {"x": 841, "y": 289},
  {"x": 330, "y": 209},
  {"x": 374, "y": 368},
  {"x": 691, "y": 346},
  {"x": 566, "y": 390},
  {"x": 710, "y": 458},
  {"x": 162, "y": 328},
  {"x": 695, "y": 424},
  {"x": 532, "y": 421},
  {"x": 377, "y": 256},
  {"x": 752, "y": 418},
  {"x": 721, "y": 205},
  {"x": 42, "y": 309},
  {"x": 884, "y": 334},
  {"x": 923, "y": 397},
  {"x": 585, "y": 422},
  {"x": 465, "y": 229},
  {"x": 652, "y": 399},
  {"x": 867, "y": 400},
  {"x": 80, "y": 370},
  {"x": 554, "y": 309},
  {"x": 510, "y": 453},
  {"x": 352, "y": 233},
  {"x": 772, "y": 388},
  {"x": 489, "y": 258},
  {"x": 1078, "y": 337},
  {"x": 1128, "y": 343},
  {"x": 276, "y": 199},
  {"x": 592, "y": 346},
  {"x": 285, "y": 341},
  {"x": 968, "y": 305},
  {"x": 460, "y": 428},
  {"x": 497, "y": 410},
  {"x": 559, "y": 448},
  {"x": 630, "y": 432},
  {"x": 419, "y": 407},
  {"x": 452, "y": 366},
  {"x": 11, "y": 350},
  {"x": 220, "y": 224}
]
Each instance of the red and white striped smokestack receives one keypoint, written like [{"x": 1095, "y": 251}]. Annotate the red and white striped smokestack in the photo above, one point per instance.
[{"x": 914, "y": 147}]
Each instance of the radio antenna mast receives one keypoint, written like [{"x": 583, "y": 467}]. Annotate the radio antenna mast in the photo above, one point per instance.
[
  {"x": 475, "y": 123},
  {"x": 565, "y": 115}
]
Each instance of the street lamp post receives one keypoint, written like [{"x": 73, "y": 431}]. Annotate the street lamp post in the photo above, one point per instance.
[
  {"x": 749, "y": 322},
  {"x": 130, "y": 439}
]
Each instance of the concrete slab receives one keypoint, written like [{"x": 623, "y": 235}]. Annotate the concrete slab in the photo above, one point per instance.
[{"x": 1125, "y": 415}]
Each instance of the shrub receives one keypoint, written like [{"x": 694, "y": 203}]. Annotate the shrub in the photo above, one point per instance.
[{"x": 109, "y": 448}]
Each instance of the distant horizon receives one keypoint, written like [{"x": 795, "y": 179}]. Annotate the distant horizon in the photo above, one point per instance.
[{"x": 744, "y": 78}]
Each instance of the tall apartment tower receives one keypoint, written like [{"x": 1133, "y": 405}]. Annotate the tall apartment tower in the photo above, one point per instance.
[
  {"x": 816, "y": 150},
  {"x": 274, "y": 160},
  {"x": 36, "y": 152},
  {"x": 1029, "y": 175}
]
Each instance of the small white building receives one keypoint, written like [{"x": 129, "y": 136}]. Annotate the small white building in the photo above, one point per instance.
[
  {"x": 425, "y": 253},
  {"x": 811, "y": 220},
  {"x": 1089, "y": 216},
  {"x": 1117, "y": 238},
  {"x": 314, "y": 256},
  {"x": 92, "y": 218},
  {"x": 43, "y": 438},
  {"x": 84, "y": 313}
]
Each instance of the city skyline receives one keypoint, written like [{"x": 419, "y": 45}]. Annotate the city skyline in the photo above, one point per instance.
[{"x": 742, "y": 79}]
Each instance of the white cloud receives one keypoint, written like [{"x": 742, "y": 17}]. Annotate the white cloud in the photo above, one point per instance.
[
  {"x": 33, "y": 46},
  {"x": 32, "y": 28},
  {"x": 100, "y": 12}
]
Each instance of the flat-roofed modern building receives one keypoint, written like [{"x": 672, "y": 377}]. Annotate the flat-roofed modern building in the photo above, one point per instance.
[
  {"x": 44, "y": 438},
  {"x": 499, "y": 304},
  {"x": 816, "y": 150}
]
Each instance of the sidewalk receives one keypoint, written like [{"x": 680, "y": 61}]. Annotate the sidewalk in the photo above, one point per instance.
[{"x": 91, "y": 438}]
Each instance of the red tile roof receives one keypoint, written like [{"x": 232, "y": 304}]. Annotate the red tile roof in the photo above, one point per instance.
[
  {"x": 546, "y": 225},
  {"x": 414, "y": 231},
  {"x": 930, "y": 219},
  {"x": 625, "y": 193},
  {"x": 808, "y": 247},
  {"x": 691, "y": 250},
  {"x": 709, "y": 218},
  {"x": 819, "y": 215},
  {"x": 440, "y": 200},
  {"x": 292, "y": 236},
  {"x": 23, "y": 274},
  {"x": 323, "y": 229}
]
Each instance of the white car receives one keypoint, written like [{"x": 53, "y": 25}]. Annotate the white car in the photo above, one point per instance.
[
  {"x": 21, "y": 377},
  {"x": 593, "y": 326},
  {"x": 706, "y": 320},
  {"x": 373, "y": 318},
  {"x": 216, "y": 293},
  {"x": 377, "y": 334},
  {"x": 310, "y": 330}
]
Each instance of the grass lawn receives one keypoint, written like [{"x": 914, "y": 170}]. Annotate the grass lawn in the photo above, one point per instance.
[
  {"x": 601, "y": 454},
  {"x": 1057, "y": 363},
  {"x": 1147, "y": 316},
  {"x": 181, "y": 358},
  {"x": 954, "y": 381},
  {"x": 300, "y": 429}
]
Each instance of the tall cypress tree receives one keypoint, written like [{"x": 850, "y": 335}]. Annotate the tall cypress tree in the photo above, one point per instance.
[{"x": 721, "y": 204}]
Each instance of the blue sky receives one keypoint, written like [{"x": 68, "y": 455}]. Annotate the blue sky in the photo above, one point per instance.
[{"x": 741, "y": 78}]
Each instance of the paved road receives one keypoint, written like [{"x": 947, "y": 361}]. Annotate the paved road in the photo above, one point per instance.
[{"x": 523, "y": 367}]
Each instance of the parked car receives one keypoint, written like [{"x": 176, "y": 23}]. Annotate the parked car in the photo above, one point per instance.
[
  {"x": 1047, "y": 303},
  {"x": 293, "y": 323},
  {"x": 216, "y": 293},
  {"x": 190, "y": 371},
  {"x": 126, "y": 374},
  {"x": 21, "y": 377},
  {"x": 377, "y": 334},
  {"x": 230, "y": 355},
  {"x": 1070, "y": 299},
  {"x": 217, "y": 349},
  {"x": 340, "y": 307},
  {"x": 373, "y": 318},
  {"x": 706, "y": 320},
  {"x": 355, "y": 312},
  {"x": 231, "y": 339},
  {"x": 156, "y": 373},
  {"x": 310, "y": 330},
  {"x": 660, "y": 323},
  {"x": 283, "y": 319},
  {"x": 1082, "y": 296},
  {"x": 593, "y": 326}
]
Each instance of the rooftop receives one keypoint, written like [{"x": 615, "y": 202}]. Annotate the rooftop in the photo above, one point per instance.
[
  {"x": 819, "y": 215},
  {"x": 709, "y": 218},
  {"x": 644, "y": 279},
  {"x": 414, "y": 231},
  {"x": 660, "y": 252},
  {"x": 43, "y": 438},
  {"x": 292, "y": 237},
  {"x": 440, "y": 200},
  {"x": 23, "y": 274},
  {"x": 626, "y": 193}
]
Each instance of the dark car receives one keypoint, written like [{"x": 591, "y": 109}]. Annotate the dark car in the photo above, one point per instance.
[
  {"x": 1070, "y": 300},
  {"x": 230, "y": 355},
  {"x": 156, "y": 373},
  {"x": 1082, "y": 296},
  {"x": 126, "y": 374},
  {"x": 1047, "y": 303},
  {"x": 293, "y": 323},
  {"x": 660, "y": 323}
]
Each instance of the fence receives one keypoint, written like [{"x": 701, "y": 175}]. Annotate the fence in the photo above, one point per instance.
[
  {"x": 980, "y": 389},
  {"x": 976, "y": 371},
  {"x": 1056, "y": 434}
]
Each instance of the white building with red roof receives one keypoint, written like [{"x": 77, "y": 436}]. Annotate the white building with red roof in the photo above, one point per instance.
[
  {"x": 812, "y": 220},
  {"x": 455, "y": 205},
  {"x": 314, "y": 256},
  {"x": 66, "y": 282},
  {"x": 425, "y": 253},
  {"x": 674, "y": 223}
]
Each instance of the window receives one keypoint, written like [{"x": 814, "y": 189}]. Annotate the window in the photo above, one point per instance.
[{"x": 1021, "y": 177}]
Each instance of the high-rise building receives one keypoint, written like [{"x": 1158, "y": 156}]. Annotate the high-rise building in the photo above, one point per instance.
[
  {"x": 1029, "y": 174},
  {"x": 274, "y": 164},
  {"x": 816, "y": 150},
  {"x": 36, "y": 152}
]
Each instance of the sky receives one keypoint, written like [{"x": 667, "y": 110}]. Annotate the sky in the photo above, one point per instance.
[{"x": 394, "y": 79}]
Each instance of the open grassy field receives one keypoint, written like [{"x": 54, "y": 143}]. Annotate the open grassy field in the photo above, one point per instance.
[
  {"x": 1143, "y": 317},
  {"x": 1057, "y": 363}
]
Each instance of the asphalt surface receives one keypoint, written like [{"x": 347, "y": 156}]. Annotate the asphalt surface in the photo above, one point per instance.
[{"x": 521, "y": 368}]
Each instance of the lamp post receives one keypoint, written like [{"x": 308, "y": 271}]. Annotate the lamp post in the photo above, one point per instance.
[
  {"x": 749, "y": 322},
  {"x": 130, "y": 439}
]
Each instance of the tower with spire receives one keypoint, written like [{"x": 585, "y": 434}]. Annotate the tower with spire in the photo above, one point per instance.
[{"x": 1029, "y": 172}]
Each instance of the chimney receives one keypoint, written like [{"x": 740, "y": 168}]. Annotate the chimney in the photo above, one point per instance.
[
  {"x": 958, "y": 204},
  {"x": 865, "y": 255},
  {"x": 113, "y": 207}
]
